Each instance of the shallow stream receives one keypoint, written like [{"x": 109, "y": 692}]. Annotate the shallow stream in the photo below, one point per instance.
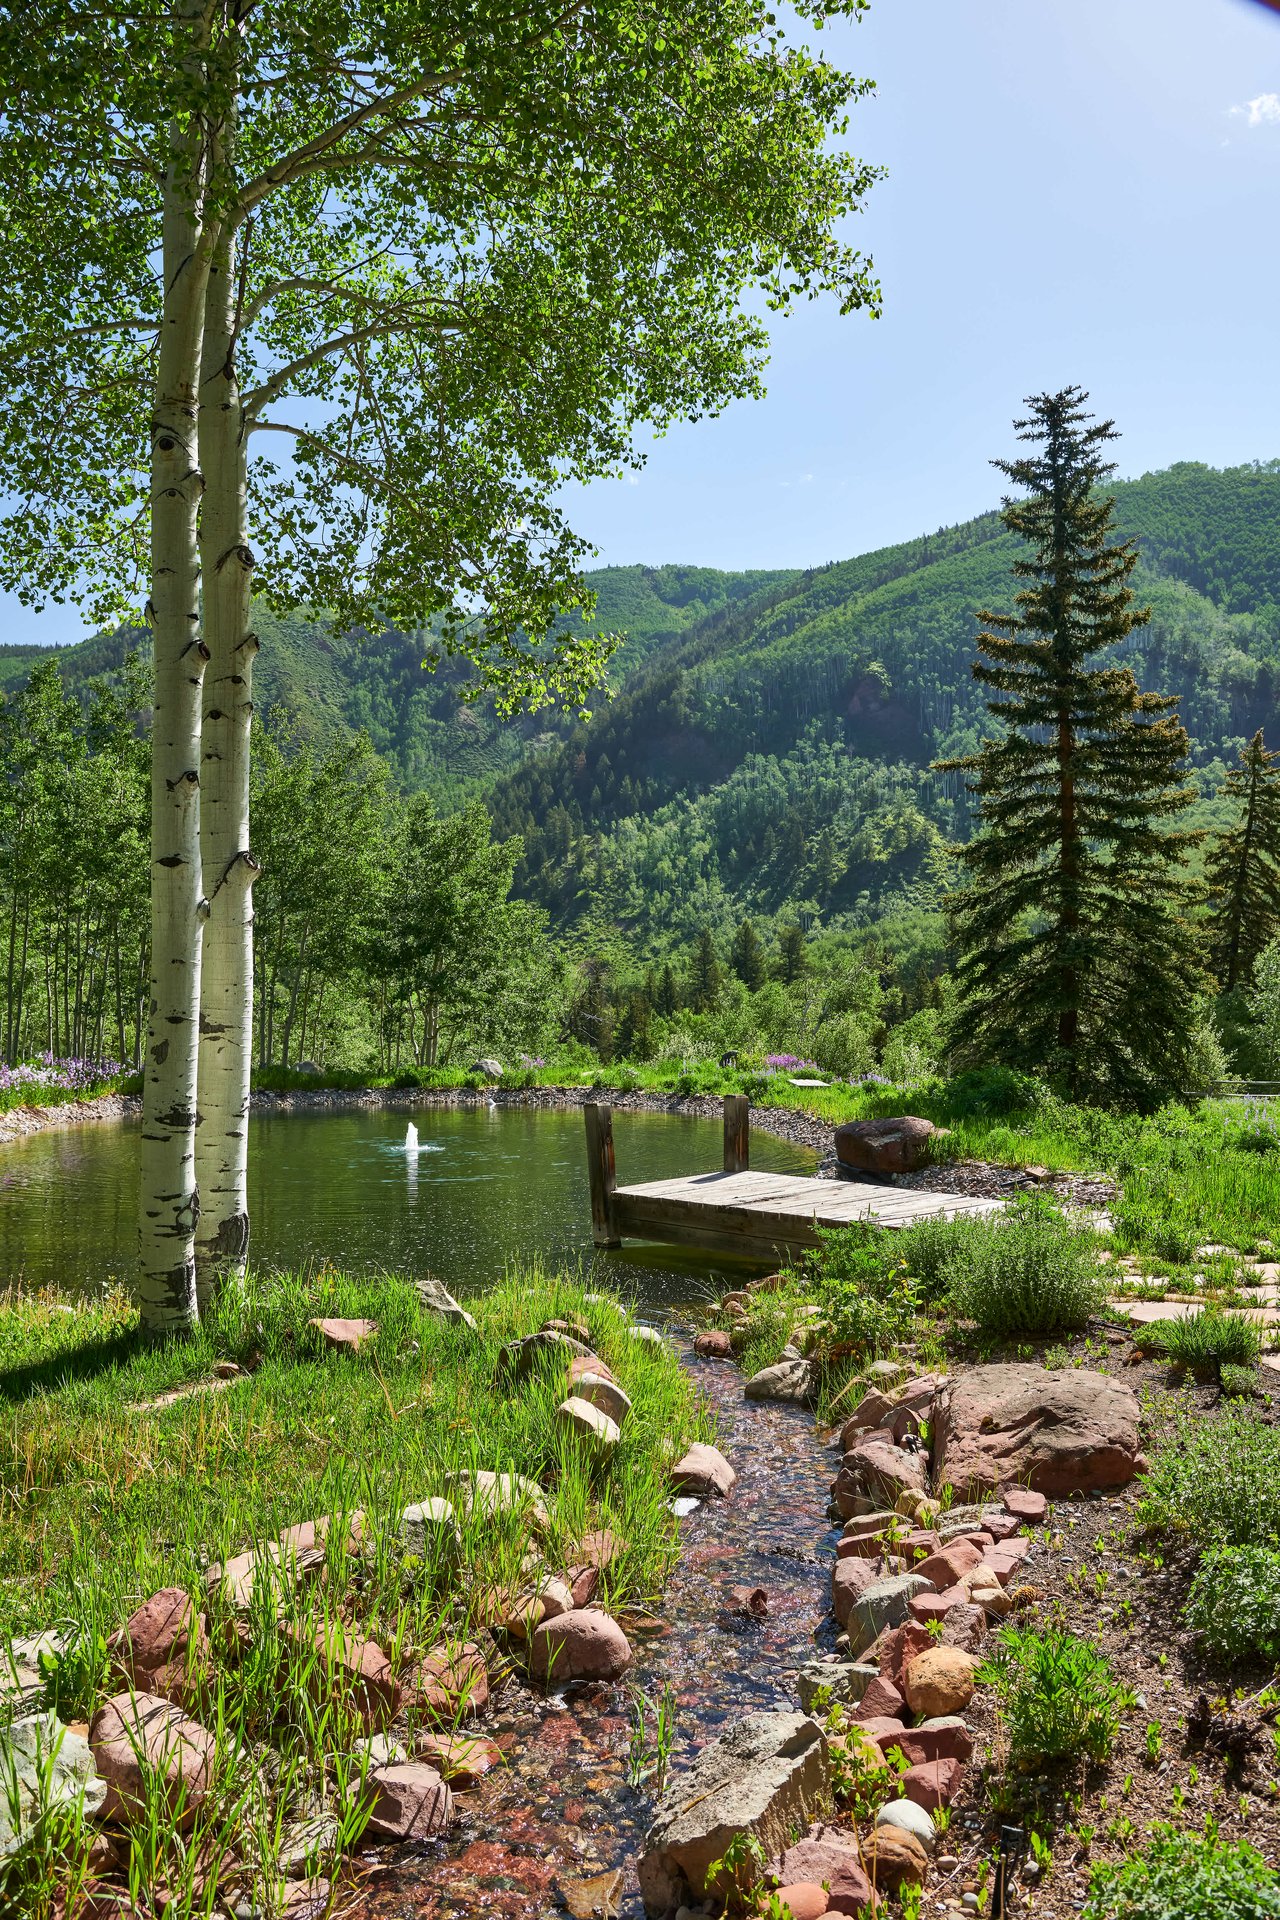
[{"x": 544, "y": 1835}]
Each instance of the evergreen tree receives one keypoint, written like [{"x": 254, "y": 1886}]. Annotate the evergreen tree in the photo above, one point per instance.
[
  {"x": 667, "y": 998},
  {"x": 634, "y": 1037},
  {"x": 1075, "y": 956},
  {"x": 1243, "y": 867},
  {"x": 705, "y": 978},
  {"x": 746, "y": 957},
  {"x": 793, "y": 961}
]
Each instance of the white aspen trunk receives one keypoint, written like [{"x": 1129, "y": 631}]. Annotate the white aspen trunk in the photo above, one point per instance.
[
  {"x": 226, "y": 995},
  {"x": 170, "y": 1204}
]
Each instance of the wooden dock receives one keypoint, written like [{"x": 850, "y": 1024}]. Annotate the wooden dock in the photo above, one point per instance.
[{"x": 760, "y": 1216}]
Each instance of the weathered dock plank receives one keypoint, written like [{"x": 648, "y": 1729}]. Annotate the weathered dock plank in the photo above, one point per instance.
[{"x": 759, "y": 1215}]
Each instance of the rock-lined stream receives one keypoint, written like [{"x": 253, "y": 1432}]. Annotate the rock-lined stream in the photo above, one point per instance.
[{"x": 547, "y": 1833}]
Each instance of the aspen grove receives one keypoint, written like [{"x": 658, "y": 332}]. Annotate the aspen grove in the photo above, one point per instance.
[{"x": 447, "y": 257}]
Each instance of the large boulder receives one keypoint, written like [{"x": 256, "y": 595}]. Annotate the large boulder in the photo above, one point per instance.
[
  {"x": 764, "y": 1776},
  {"x": 899, "y": 1145},
  {"x": 881, "y": 1471},
  {"x": 1056, "y": 1432}
]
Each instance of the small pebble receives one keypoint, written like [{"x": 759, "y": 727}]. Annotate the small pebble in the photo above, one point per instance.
[
  {"x": 970, "y": 1902},
  {"x": 948, "y": 1862}
]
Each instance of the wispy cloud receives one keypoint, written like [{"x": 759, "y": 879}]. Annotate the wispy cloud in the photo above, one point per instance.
[
  {"x": 1262, "y": 111},
  {"x": 801, "y": 480}
]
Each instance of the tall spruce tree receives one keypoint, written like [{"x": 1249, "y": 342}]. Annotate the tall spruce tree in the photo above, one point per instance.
[
  {"x": 1075, "y": 953},
  {"x": 1243, "y": 867},
  {"x": 746, "y": 957}
]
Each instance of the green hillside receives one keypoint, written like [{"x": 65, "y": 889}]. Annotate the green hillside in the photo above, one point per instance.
[
  {"x": 777, "y": 753},
  {"x": 768, "y": 745},
  {"x": 418, "y": 721}
]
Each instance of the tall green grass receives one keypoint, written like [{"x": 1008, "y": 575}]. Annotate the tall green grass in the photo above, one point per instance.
[{"x": 103, "y": 1503}]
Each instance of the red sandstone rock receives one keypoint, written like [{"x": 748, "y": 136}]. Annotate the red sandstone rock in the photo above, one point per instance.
[
  {"x": 348, "y": 1335},
  {"x": 900, "y": 1646},
  {"x": 452, "y": 1681},
  {"x": 965, "y": 1627},
  {"x": 461, "y": 1757},
  {"x": 899, "y": 1145},
  {"x": 881, "y": 1698},
  {"x": 932, "y": 1783},
  {"x": 849, "y": 1579},
  {"x": 1024, "y": 1503},
  {"x": 160, "y": 1631},
  {"x": 803, "y": 1900},
  {"x": 583, "y": 1644},
  {"x": 936, "y": 1606},
  {"x": 946, "y": 1737},
  {"x": 136, "y": 1730},
  {"x": 410, "y": 1802},
  {"x": 1055, "y": 1432},
  {"x": 714, "y": 1344},
  {"x": 948, "y": 1568},
  {"x": 830, "y": 1857}
]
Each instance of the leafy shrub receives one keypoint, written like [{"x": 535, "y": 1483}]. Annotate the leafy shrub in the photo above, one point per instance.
[
  {"x": 1205, "y": 1342},
  {"x": 1234, "y": 1603},
  {"x": 1186, "y": 1876},
  {"x": 845, "y": 1047},
  {"x": 935, "y": 1249},
  {"x": 1060, "y": 1698},
  {"x": 1239, "y": 1381},
  {"x": 1029, "y": 1270},
  {"x": 867, "y": 1295},
  {"x": 1216, "y": 1483}
]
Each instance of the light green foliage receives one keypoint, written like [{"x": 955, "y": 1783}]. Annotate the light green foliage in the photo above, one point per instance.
[
  {"x": 1264, "y": 1005},
  {"x": 443, "y": 373},
  {"x": 1216, "y": 1482},
  {"x": 1186, "y": 1876},
  {"x": 865, "y": 1290},
  {"x": 1060, "y": 1700},
  {"x": 1234, "y": 1603},
  {"x": 1207, "y": 1341},
  {"x": 1028, "y": 1271},
  {"x": 73, "y": 840}
]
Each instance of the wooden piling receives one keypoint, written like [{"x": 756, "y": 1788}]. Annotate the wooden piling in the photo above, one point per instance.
[
  {"x": 602, "y": 1175},
  {"x": 737, "y": 1133}
]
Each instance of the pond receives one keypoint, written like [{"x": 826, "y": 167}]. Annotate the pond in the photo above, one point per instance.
[{"x": 486, "y": 1186}]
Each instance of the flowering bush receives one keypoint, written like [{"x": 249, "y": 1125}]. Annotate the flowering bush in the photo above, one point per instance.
[
  {"x": 789, "y": 1063},
  {"x": 53, "y": 1075}
]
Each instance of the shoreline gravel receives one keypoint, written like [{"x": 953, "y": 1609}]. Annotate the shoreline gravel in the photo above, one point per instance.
[{"x": 793, "y": 1124}]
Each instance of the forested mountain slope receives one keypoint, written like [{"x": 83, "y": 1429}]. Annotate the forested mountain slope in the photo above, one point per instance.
[
  {"x": 768, "y": 747},
  {"x": 776, "y": 754},
  {"x": 375, "y": 683}
]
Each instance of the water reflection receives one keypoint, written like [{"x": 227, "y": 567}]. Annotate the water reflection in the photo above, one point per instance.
[{"x": 486, "y": 1185}]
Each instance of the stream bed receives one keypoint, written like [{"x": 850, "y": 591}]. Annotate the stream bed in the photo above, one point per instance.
[{"x": 548, "y": 1833}]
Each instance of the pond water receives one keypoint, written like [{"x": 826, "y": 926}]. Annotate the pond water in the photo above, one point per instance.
[{"x": 485, "y": 1186}]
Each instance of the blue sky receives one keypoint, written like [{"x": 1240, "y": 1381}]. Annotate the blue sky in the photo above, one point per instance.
[{"x": 1079, "y": 191}]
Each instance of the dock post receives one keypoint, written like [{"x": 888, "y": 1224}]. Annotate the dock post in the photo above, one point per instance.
[
  {"x": 601, "y": 1174},
  {"x": 737, "y": 1133}
]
